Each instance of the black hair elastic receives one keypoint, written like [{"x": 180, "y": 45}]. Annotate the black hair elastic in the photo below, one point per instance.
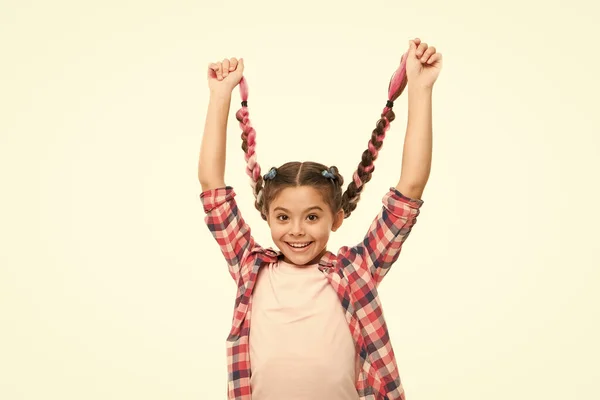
[
  {"x": 245, "y": 103},
  {"x": 389, "y": 104}
]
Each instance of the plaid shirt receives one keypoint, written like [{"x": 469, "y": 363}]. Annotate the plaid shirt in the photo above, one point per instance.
[{"x": 354, "y": 273}]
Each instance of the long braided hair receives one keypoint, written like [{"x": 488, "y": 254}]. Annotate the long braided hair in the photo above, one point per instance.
[{"x": 292, "y": 174}]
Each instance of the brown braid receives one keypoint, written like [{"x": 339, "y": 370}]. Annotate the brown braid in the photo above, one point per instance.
[
  {"x": 257, "y": 184},
  {"x": 366, "y": 166}
]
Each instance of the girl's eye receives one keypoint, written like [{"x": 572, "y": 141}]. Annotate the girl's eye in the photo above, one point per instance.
[{"x": 311, "y": 217}]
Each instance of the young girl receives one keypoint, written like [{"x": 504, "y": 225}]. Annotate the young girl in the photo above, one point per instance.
[{"x": 308, "y": 323}]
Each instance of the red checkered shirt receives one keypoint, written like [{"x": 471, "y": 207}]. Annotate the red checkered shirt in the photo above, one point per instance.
[{"x": 354, "y": 273}]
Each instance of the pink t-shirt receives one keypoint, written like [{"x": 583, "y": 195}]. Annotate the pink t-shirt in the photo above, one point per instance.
[{"x": 300, "y": 344}]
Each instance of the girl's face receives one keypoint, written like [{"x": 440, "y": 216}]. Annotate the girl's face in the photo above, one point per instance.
[{"x": 300, "y": 223}]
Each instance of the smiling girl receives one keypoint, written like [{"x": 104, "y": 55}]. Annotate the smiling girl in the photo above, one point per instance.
[{"x": 308, "y": 322}]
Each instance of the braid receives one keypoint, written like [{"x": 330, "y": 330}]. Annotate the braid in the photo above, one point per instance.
[
  {"x": 249, "y": 147},
  {"x": 365, "y": 168}
]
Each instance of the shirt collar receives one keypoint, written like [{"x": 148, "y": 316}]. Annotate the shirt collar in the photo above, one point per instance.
[{"x": 272, "y": 255}]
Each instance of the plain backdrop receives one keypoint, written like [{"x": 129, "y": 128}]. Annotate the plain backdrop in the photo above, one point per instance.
[{"x": 111, "y": 285}]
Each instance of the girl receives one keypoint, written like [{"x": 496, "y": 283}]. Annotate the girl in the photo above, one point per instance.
[{"x": 308, "y": 323}]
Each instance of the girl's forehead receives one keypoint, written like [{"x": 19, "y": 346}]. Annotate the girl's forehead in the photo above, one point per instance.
[{"x": 300, "y": 196}]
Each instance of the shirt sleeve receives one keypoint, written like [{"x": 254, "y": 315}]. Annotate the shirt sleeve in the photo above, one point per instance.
[
  {"x": 383, "y": 241},
  {"x": 224, "y": 220}
]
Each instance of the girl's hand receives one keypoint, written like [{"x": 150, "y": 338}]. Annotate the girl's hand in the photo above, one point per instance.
[
  {"x": 224, "y": 76},
  {"x": 423, "y": 64}
]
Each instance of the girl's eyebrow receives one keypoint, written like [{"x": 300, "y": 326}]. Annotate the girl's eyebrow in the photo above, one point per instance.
[{"x": 307, "y": 210}]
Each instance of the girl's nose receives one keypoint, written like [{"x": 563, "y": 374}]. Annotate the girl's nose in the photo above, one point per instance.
[{"x": 297, "y": 229}]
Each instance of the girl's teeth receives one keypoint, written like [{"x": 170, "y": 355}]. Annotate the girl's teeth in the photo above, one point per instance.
[{"x": 299, "y": 246}]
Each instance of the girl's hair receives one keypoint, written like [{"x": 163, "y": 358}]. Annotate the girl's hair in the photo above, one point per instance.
[{"x": 293, "y": 174}]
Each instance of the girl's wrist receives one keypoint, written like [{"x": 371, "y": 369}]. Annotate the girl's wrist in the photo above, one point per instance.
[
  {"x": 417, "y": 88},
  {"x": 220, "y": 95}
]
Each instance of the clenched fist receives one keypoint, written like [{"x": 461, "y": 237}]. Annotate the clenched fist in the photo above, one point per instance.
[
  {"x": 224, "y": 76},
  {"x": 423, "y": 64}
]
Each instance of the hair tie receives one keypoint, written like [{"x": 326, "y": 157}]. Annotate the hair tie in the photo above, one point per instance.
[
  {"x": 245, "y": 103},
  {"x": 389, "y": 104},
  {"x": 271, "y": 174},
  {"x": 328, "y": 174}
]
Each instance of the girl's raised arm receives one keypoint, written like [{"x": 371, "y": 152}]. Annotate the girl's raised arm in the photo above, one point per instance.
[
  {"x": 211, "y": 165},
  {"x": 223, "y": 217},
  {"x": 223, "y": 77},
  {"x": 381, "y": 246},
  {"x": 423, "y": 66}
]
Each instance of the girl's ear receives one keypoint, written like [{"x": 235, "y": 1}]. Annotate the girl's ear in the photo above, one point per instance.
[{"x": 337, "y": 220}]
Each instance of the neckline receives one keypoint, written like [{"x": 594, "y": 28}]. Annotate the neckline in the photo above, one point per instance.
[{"x": 293, "y": 269}]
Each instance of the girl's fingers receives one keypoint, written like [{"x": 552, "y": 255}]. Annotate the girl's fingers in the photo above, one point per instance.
[
  {"x": 225, "y": 67},
  {"x": 421, "y": 49},
  {"x": 427, "y": 54},
  {"x": 435, "y": 58},
  {"x": 215, "y": 70},
  {"x": 233, "y": 64},
  {"x": 413, "y": 42}
]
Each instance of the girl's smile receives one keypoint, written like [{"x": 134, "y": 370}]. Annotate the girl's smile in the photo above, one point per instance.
[{"x": 299, "y": 247}]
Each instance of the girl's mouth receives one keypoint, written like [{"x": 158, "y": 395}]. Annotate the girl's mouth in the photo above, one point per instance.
[{"x": 298, "y": 248}]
